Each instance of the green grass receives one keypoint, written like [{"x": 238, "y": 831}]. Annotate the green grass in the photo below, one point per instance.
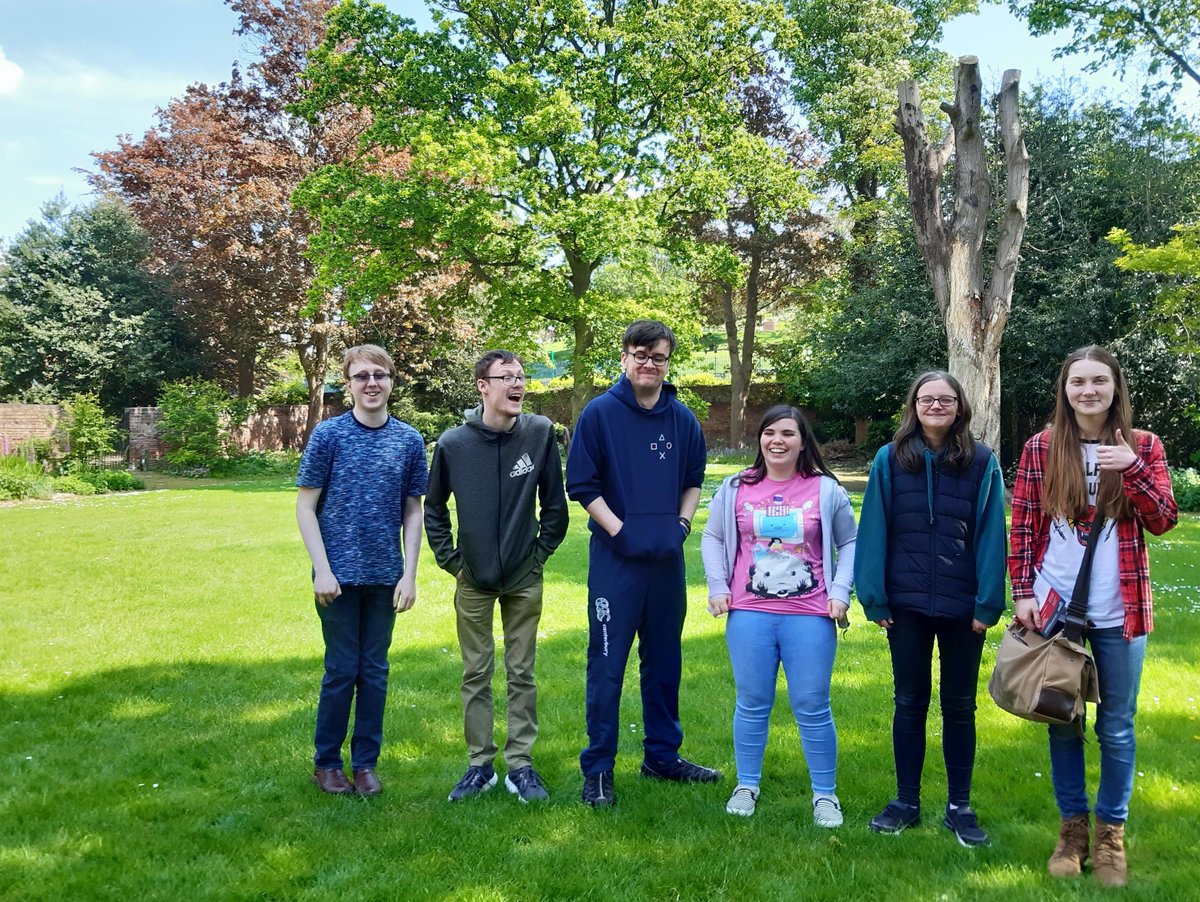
[{"x": 159, "y": 664}]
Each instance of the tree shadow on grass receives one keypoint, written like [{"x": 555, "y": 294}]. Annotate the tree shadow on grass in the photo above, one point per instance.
[{"x": 190, "y": 779}]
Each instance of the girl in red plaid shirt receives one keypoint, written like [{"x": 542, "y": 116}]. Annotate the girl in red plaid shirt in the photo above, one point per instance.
[{"x": 1091, "y": 451}]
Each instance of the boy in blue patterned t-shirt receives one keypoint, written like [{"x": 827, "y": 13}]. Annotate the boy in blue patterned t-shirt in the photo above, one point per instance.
[{"x": 361, "y": 482}]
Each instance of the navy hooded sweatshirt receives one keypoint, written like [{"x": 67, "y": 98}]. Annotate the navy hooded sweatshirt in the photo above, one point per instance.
[{"x": 640, "y": 461}]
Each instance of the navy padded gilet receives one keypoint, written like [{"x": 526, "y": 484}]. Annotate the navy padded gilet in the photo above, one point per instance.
[{"x": 931, "y": 553}]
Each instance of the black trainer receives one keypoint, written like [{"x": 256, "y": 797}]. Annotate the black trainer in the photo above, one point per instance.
[
  {"x": 896, "y": 817},
  {"x": 680, "y": 771},
  {"x": 525, "y": 783},
  {"x": 963, "y": 823},
  {"x": 477, "y": 779},
  {"x": 598, "y": 789}
]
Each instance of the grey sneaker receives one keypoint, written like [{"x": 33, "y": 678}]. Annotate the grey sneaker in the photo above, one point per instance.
[
  {"x": 827, "y": 811},
  {"x": 526, "y": 784},
  {"x": 742, "y": 802},
  {"x": 477, "y": 779}
]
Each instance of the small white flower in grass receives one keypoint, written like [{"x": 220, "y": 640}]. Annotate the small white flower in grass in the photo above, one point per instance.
[
  {"x": 155, "y": 786},
  {"x": 141, "y": 784},
  {"x": 1038, "y": 774},
  {"x": 445, "y": 651},
  {"x": 29, "y": 757},
  {"x": 1141, "y": 773},
  {"x": 1174, "y": 789}
]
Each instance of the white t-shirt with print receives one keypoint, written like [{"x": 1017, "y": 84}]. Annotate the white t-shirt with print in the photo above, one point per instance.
[{"x": 1068, "y": 539}]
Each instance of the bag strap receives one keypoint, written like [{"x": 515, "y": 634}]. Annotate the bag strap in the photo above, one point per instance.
[{"x": 1076, "y": 618}]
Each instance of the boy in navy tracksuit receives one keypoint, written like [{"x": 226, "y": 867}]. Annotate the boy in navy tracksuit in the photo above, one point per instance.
[{"x": 636, "y": 465}]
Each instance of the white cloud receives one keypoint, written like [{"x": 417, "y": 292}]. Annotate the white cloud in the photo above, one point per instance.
[
  {"x": 66, "y": 78},
  {"x": 10, "y": 75}
]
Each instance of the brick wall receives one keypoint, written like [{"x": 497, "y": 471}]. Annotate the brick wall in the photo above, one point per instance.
[
  {"x": 145, "y": 443},
  {"x": 19, "y": 422}
]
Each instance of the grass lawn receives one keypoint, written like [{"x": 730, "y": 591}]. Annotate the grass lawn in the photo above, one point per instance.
[{"x": 159, "y": 664}]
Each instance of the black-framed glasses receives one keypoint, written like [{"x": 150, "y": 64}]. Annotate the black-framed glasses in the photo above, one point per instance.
[
  {"x": 943, "y": 400},
  {"x": 509, "y": 378},
  {"x": 364, "y": 378},
  {"x": 642, "y": 358}
]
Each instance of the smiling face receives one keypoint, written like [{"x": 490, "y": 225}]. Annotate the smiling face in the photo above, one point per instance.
[
  {"x": 646, "y": 378},
  {"x": 781, "y": 444},
  {"x": 937, "y": 417},
  {"x": 502, "y": 403},
  {"x": 370, "y": 396},
  {"x": 1090, "y": 387}
]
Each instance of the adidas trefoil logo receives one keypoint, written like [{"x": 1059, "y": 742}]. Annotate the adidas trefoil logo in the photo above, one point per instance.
[{"x": 523, "y": 467}]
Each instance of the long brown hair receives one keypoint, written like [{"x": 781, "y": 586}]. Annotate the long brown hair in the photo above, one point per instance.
[
  {"x": 1064, "y": 488},
  {"x": 960, "y": 444},
  {"x": 808, "y": 463}
]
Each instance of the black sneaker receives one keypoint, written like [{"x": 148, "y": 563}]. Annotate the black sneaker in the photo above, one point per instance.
[
  {"x": 477, "y": 779},
  {"x": 961, "y": 821},
  {"x": 598, "y": 789},
  {"x": 896, "y": 817},
  {"x": 680, "y": 771},
  {"x": 526, "y": 784}
]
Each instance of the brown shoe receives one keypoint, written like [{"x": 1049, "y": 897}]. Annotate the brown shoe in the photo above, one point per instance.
[
  {"x": 1108, "y": 854},
  {"x": 1072, "y": 849},
  {"x": 366, "y": 783},
  {"x": 333, "y": 781}
]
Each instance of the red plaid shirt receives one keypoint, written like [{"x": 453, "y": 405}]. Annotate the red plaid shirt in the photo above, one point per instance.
[{"x": 1148, "y": 487}]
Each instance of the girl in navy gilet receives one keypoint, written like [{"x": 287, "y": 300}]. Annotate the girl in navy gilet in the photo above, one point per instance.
[{"x": 932, "y": 570}]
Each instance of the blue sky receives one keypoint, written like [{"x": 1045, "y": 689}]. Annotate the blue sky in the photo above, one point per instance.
[{"x": 74, "y": 74}]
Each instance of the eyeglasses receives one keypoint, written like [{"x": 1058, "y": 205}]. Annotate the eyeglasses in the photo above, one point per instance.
[
  {"x": 364, "y": 378},
  {"x": 930, "y": 400},
  {"x": 642, "y": 358},
  {"x": 509, "y": 379}
]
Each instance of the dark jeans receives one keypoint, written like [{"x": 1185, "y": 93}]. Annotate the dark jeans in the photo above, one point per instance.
[
  {"x": 960, "y": 648},
  {"x": 357, "y": 626}
]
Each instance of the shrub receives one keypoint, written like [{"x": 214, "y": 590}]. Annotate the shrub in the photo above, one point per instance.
[
  {"x": 701, "y": 379},
  {"x": 257, "y": 463},
  {"x": 693, "y": 402},
  {"x": 430, "y": 425},
  {"x": 20, "y": 479},
  {"x": 90, "y": 431},
  {"x": 1186, "y": 485},
  {"x": 73, "y": 485},
  {"x": 122, "y": 481},
  {"x": 193, "y": 411}
]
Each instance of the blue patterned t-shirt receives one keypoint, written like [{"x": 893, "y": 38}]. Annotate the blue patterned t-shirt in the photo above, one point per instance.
[{"x": 365, "y": 474}]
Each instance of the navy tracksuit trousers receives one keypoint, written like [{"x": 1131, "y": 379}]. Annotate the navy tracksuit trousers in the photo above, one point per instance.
[{"x": 626, "y": 598}]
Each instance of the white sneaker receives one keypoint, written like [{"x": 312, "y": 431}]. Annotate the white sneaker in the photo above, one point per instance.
[
  {"x": 742, "y": 801},
  {"x": 827, "y": 811}
]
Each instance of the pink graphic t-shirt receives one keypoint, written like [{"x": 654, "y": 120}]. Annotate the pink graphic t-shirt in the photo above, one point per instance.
[{"x": 778, "y": 565}]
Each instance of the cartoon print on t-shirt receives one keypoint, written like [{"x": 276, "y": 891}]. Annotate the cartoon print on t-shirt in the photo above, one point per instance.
[
  {"x": 780, "y": 569},
  {"x": 1081, "y": 529}
]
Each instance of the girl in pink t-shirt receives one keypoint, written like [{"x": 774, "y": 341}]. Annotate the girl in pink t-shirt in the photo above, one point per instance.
[{"x": 779, "y": 557}]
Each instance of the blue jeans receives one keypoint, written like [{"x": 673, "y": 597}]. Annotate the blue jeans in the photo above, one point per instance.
[
  {"x": 357, "y": 626},
  {"x": 960, "y": 648},
  {"x": 1119, "y": 672},
  {"x": 805, "y": 645}
]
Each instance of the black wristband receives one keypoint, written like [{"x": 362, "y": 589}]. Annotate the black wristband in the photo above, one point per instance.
[{"x": 686, "y": 524}]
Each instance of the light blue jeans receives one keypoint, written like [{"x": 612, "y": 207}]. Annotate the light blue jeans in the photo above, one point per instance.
[
  {"x": 805, "y": 645},
  {"x": 1119, "y": 672}
]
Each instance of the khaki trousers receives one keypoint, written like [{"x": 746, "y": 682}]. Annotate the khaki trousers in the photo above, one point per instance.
[{"x": 520, "y": 611}]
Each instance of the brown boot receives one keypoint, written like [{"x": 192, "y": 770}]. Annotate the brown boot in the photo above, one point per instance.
[
  {"x": 1072, "y": 849},
  {"x": 1108, "y": 854}
]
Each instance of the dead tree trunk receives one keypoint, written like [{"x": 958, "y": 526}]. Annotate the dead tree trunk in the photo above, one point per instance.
[{"x": 952, "y": 242}]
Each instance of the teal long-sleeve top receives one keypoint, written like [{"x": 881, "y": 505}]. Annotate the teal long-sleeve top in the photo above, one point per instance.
[{"x": 877, "y": 543}]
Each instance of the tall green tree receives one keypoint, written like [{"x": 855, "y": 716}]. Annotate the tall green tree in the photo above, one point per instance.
[
  {"x": 1164, "y": 35},
  {"x": 537, "y": 134},
  {"x": 1097, "y": 166},
  {"x": 81, "y": 312},
  {"x": 758, "y": 246}
]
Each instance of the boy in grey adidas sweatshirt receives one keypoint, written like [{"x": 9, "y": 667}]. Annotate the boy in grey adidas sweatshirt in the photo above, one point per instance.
[{"x": 500, "y": 466}]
